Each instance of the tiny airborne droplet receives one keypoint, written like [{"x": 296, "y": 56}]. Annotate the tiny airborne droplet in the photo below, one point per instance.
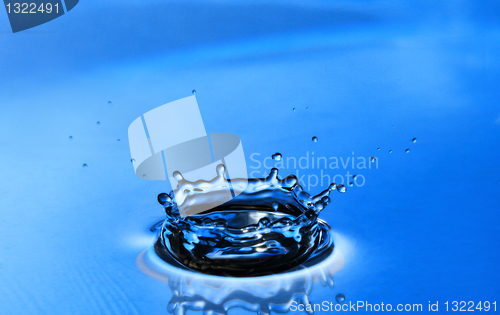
[
  {"x": 98, "y": 123},
  {"x": 110, "y": 103},
  {"x": 378, "y": 149},
  {"x": 277, "y": 156},
  {"x": 85, "y": 165},
  {"x": 390, "y": 151},
  {"x": 194, "y": 92},
  {"x": 407, "y": 150},
  {"x": 293, "y": 109},
  {"x": 340, "y": 298},
  {"x": 314, "y": 139},
  {"x": 351, "y": 184},
  {"x": 70, "y": 137},
  {"x": 373, "y": 159},
  {"x": 341, "y": 188},
  {"x": 119, "y": 140},
  {"x": 414, "y": 140}
]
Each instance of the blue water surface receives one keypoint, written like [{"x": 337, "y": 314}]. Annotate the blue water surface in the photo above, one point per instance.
[{"x": 361, "y": 75}]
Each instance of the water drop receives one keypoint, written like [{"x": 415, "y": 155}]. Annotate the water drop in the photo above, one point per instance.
[
  {"x": 164, "y": 198},
  {"x": 194, "y": 92},
  {"x": 85, "y": 165},
  {"x": 119, "y": 140},
  {"x": 70, "y": 137},
  {"x": 264, "y": 222},
  {"x": 307, "y": 107},
  {"x": 109, "y": 103},
  {"x": 315, "y": 139},
  {"x": 333, "y": 186},
  {"x": 277, "y": 156},
  {"x": 351, "y": 184},
  {"x": 341, "y": 188},
  {"x": 373, "y": 159},
  {"x": 275, "y": 206},
  {"x": 98, "y": 123},
  {"x": 293, "y": 109},
  {"x": 132, "y": 160},
  {"x": 378, "y": 149},
  {"x": 414, "y": 140},
  {"x": 340, "y": 298},
  {"x": 390, "y": 151},
  {"x": 407, "y": 150},
  {"x": 354, "y": 176}
]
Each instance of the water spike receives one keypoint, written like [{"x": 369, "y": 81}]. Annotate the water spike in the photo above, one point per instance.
[
  {"x": 290, "y": 182},
  {"x": 178, "y": 176},
  {"x": 221, "y": 170}
]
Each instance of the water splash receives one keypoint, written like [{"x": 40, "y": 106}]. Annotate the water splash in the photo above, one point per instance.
[{"x": 272, "y": 224}]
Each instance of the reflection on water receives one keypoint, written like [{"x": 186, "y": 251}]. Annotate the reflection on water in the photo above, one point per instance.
[{"x": 217, "y": 295}]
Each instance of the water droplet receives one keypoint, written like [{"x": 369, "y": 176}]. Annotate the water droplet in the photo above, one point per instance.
[
  {"x": 275, "y": 206},
  {"x": 164, "y": 198},
  {"x": 85, "y": 165},
  {"x": 354, "y": 176},
  {"x": 143, "y": 175},
  {"x": 373, "y": 159},
  {"x": 119, "y": 140},
  {"x": 407, "y": 150},
  {"x": 70, "y": 137},
  {"x": 315, "y": 139},
  {"x": 98, "y": 123},
  {"x": 307, "y": 107},
  {"x": 132, "y": 160},
  {"x": 340, "y": 298},
  {"x": 264, "y": 222},
  {"x": 414, "y": 140},
  {"x": 293, "y": 109},
  {"x": 187, "y": 191},
  {"x": 378, "y": 149},
  {"x": 351, "y": 184},
  {"x": 277, "y": 156},
  {"x": 110, "y": 103},
  {"x": 194, "y": 92},
  {"x": 333, "y": 186},
  {"x": 390, "y": 151},
  {"x": 341, "y": 188}
]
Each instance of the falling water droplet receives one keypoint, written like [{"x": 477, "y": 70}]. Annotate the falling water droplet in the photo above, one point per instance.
[
  {"x": 414, "y": 140},
  {"x": 340, "y": 298},
  {"x": 132, "y": 160},
  {"x": 378, "y": 149},
  {"x": 351, "y": 184},
  {"x": 293, "y": 109},
  {"x": 373, "y": 159},
  {"x": 341, "y": 188},
  {"x": 307, "y": 107},
  {"x": 194, "y": 92},
  {"x": 85, "y": 165},
  {"x": 315, "y": 139},
  {"x": 98, "y": 123},
  {"x": 110, "y": 103},
  {"x": 70, "y": 137},
  {"x": 354, "y": 176},
  {"x": 275, "y": 206},
  {"x": 390, "y": 151},
  {"x": 407, "y": 150},
  {"x": 119, "y": 140},
  {"x": 277, "y": 156}
]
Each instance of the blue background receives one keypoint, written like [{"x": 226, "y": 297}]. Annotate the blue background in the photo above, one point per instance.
[{"x": 424, "y": 227}]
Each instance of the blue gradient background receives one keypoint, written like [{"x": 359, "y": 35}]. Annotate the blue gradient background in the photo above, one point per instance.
[{"x": 373, "y": 74}]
